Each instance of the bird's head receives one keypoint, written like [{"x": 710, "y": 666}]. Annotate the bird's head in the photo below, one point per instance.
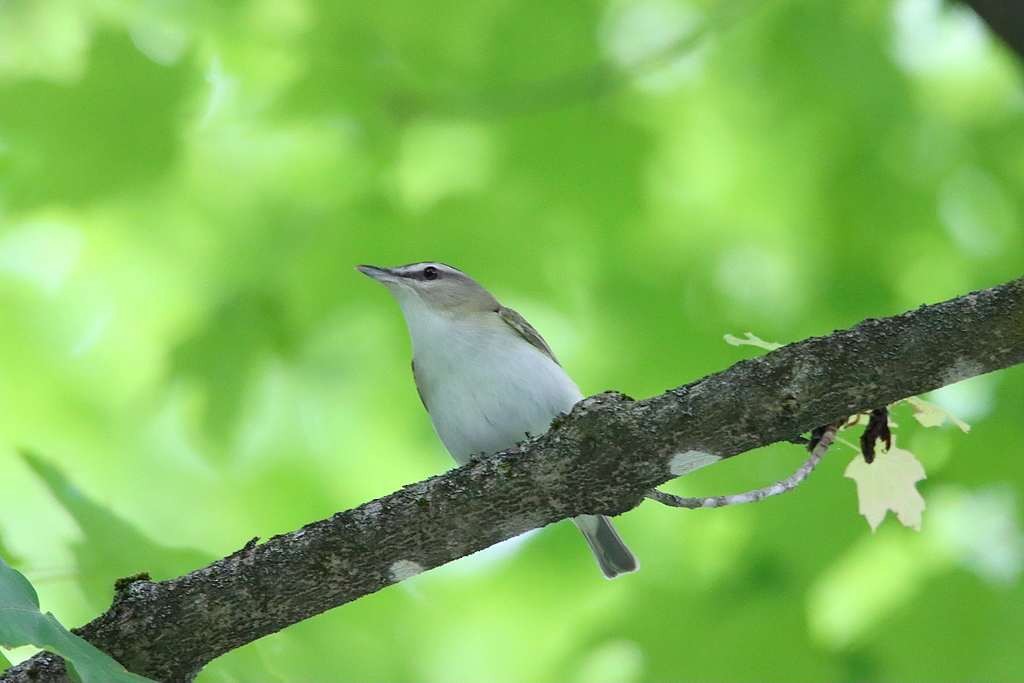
[{"x": 432, "y": 287}]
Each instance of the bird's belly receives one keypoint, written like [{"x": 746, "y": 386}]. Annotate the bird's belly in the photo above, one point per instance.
[{"x": 491, "y": 406}]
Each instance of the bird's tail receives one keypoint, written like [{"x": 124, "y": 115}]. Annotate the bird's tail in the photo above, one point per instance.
[{"x": 612, "y": 554}]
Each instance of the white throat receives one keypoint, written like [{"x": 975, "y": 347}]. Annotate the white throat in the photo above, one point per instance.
[{"x": 428, "y": 328}]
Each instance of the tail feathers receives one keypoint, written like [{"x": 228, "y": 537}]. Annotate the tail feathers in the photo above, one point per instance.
[{"x": 612, "y": 554}]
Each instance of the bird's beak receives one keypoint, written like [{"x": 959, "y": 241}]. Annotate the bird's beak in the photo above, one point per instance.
[{"x": 382, "y": 275}]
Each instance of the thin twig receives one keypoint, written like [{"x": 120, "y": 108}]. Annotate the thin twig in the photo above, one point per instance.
[{"x": 787, "y": 484}]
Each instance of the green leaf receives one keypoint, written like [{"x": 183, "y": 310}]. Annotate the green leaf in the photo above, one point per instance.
[
  {"x": 5, "y": 553},
  {"x": 21, "y": 623}
]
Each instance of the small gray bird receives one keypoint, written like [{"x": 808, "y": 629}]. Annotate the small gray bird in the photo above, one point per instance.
[{"x": 486, "y": 377}]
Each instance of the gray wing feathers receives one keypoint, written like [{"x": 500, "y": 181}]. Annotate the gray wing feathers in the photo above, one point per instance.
[{"x": 526, "y": 331}]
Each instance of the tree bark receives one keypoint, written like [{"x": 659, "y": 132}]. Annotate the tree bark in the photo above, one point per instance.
[{"x": 602, "y": 458}]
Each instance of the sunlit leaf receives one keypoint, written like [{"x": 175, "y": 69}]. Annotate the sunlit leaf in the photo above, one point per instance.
[
  {"x": 21, "y": 623},
  {"x": 889, "y": 483},
  {"x": 931, "y": 415},
  {"x": 751, "y": 340}
]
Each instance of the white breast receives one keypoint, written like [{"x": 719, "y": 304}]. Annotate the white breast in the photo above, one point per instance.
[{"x": 486, "y": 388}]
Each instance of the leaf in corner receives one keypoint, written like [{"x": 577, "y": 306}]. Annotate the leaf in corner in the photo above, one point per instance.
[
  {"x": 889, "y": 483},
  {"x": 21, "y": 623}
]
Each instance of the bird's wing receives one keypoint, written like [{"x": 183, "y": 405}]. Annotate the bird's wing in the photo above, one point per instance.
[
  {"x": 416, "y": 381},
  {"x": 526, "y": 331}
]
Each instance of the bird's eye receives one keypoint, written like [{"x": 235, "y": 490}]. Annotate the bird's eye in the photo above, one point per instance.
[{"x": 430, "y": 273}]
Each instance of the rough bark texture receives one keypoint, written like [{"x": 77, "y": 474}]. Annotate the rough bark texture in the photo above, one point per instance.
[
  {"x": 600, "y": 459},
  {"x": 1005, "y": 18}
]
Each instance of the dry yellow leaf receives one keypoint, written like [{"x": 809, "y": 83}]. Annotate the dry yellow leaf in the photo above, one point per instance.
[
  {"x": 889, "y": 483},
  {"x": 931, "y": 415}
]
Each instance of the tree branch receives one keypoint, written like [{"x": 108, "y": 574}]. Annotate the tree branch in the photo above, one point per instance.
[
  {"x": 1005, "y": 18},
  {"x": 602, "y": 458}
]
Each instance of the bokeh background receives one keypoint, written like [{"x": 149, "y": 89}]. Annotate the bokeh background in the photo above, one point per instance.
[{"x": 190, "y": 357}]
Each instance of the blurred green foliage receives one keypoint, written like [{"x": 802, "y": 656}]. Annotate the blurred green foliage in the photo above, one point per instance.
[{"x": 185, "y": 187}]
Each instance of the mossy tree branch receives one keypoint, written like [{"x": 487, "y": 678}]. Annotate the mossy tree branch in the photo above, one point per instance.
[{"x": 603, "y": 458}]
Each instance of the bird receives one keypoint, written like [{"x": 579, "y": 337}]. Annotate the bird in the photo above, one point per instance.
[{"x": 486, "y": 377}]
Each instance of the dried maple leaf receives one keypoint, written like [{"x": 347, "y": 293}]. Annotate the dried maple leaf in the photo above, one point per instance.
[{"x": 889, "y": 483}]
